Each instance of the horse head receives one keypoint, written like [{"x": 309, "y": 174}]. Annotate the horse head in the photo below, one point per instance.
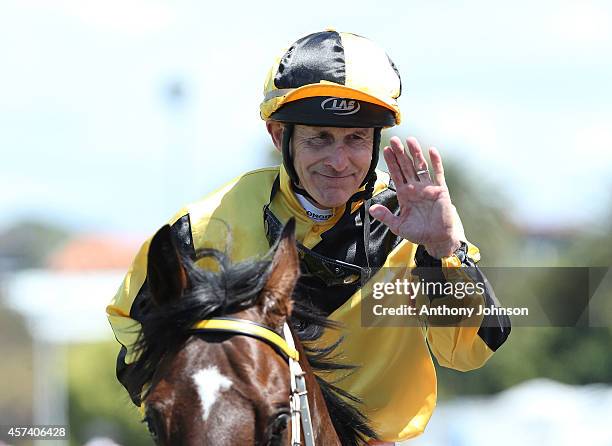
[{"x": 220, "y": 387}]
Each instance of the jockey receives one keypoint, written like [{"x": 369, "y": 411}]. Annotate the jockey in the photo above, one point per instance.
[{"x": 326, "y": 100}]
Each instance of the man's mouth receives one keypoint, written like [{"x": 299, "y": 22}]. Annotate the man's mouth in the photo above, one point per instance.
[{"x": 335, "y": 177}]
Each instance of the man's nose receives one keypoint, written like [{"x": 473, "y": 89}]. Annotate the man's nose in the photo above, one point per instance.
[{"x": 338, "y": 159}]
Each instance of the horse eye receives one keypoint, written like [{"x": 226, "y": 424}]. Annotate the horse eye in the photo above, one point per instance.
[
  {"x": 277, "y": 427},
  {"x": 280, "y": 422}
]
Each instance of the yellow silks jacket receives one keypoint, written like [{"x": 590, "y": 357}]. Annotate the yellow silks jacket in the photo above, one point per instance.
[{"x": 396, "y": 379}]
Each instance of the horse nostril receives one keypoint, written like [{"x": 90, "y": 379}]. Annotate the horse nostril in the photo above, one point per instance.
[
  {"x": 154, "y": 422},
  {"x": 150, "y": 427}
]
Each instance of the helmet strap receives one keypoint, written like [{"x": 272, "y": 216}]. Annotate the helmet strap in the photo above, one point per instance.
[
  {"x": 375, "y": 155},
  {"x": 288, "y": 161}
]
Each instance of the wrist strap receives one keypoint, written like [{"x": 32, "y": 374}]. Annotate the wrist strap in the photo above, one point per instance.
[{"x": 424, "y": 259}]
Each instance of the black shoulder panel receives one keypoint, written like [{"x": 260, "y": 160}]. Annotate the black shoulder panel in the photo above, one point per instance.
[{"x": 344, "y": 241}]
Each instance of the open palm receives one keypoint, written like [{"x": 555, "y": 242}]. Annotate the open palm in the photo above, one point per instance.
[{"x": 427, "y": 215}]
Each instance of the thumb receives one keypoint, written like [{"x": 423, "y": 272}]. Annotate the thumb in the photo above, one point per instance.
[{"x": 381, "y": 213}]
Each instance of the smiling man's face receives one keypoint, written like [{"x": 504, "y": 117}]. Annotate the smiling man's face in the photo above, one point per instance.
[{"x": 331, "y": 162}]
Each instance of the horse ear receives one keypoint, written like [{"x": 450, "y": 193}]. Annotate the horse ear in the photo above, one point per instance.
[
  {"x": 166, "y": 275},
  {"x": 275, "y": 298}
]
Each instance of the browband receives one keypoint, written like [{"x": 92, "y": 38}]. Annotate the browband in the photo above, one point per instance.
[{"x": 249, "y": 328}]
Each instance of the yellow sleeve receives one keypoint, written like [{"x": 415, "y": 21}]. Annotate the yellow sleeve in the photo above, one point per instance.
[
  {"x": 124, "y": 327},
  {"x": 470, "y": 344}
]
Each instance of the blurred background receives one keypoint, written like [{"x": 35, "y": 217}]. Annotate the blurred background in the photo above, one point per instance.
[{"x": 114, "y": 114}]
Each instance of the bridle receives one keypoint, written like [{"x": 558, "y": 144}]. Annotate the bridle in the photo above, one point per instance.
[{"x": 298, "y": 400}]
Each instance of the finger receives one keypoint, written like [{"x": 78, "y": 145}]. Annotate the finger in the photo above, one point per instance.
[
  {"x": 403, "y": 159},
  {"x": 384, "y": 215},
  {"x": 394, "y": 168},
  {"x": 420, "y": 163},
  {"x": 438, "y": 168}
]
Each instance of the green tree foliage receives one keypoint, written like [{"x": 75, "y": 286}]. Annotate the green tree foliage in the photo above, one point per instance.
[
  {"x": 482, "y": 207},
  {"x": 573, "y": 355},
  {"x": 26, "y": 244},
  {"x": 98, "y": 403},
  {"x": 15, "y": 368}
]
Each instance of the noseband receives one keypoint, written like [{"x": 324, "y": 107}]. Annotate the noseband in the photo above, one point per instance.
[{"x": 298, "y": 400}]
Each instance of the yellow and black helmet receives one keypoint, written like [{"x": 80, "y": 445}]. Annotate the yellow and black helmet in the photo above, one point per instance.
[{"x": 333, "y": 79}]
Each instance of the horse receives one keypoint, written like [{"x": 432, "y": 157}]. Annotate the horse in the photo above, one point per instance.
[{"x": 218, "y": 348}]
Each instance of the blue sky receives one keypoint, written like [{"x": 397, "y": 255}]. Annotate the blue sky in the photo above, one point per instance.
[{"x": 520, "y": 94}]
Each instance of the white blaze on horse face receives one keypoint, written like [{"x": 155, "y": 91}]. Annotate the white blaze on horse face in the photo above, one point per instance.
[{"x": 210, "y": 383}]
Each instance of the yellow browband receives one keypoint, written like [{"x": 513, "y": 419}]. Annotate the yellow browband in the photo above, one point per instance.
[{"x": 248, "y": 328}]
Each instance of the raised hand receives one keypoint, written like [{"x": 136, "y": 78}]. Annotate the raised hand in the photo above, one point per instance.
[{"x": 427, "y": 215}]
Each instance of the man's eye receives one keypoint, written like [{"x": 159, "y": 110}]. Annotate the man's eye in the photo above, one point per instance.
[
  {"x": 356, "y": 137},
  {"x": 318, "y": 141}
]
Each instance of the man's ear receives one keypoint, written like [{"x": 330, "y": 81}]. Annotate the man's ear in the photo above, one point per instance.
[
  {"x": 166, "y": 275},
  {"x": 275, "y": 298},
  {"x": 275, "y": 129}
]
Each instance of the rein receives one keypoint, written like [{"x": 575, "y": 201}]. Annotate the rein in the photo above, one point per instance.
[{"x": 298, "y": 400}]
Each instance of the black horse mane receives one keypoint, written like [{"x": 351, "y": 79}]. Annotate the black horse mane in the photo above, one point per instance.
[{"x": 235, "y": 287}]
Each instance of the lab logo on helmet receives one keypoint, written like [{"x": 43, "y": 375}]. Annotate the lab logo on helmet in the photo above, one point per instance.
[{"x": 341, "y": 106}]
